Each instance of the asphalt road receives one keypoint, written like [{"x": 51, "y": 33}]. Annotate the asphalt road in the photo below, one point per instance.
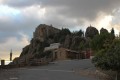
[{"x": 60, "y": 70}]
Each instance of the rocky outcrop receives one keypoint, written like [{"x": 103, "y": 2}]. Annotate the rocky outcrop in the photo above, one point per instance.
[
  {"x": 42, "y": 37},
  {"x": 45, "y": 35},
  {"x": 43, "y": 31},
  {"x": 91, "y": 32},
  {"x": 25, "y": 51}
]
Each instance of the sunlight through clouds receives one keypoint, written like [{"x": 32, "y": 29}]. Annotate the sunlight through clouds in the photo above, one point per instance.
[
  {"x": 8, "y": 11},
  {"x": 106, "y": 21},
  {"x": 35, "y": 11}
]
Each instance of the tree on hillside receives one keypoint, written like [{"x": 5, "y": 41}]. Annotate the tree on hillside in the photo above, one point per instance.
[
  {"x": 91, "y": 32},
  {"x": 65, "y": 31},
  {"x": 109, "y": 59},
  {"x": 103, "y": 31},
  {"x": 79, "y": 33},
  {"x": 112, "y": 33},
  {"x": 82, "y": 45},
  {"x": 101, "y": 41},
  {"x": 60, "y": 37}
]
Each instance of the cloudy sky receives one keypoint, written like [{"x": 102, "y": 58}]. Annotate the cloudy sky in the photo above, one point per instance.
[{"x": 19, "y": 18}]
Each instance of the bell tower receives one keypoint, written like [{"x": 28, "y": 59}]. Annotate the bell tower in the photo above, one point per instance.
[{"x": 11, "y": 55}]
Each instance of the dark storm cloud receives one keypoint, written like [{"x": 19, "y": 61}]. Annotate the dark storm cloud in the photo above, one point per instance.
[
  {"x": 21, "y": 3},
  {"x": 12, "y": 27},
  {"x": 87, "y": 9},
  {"x": 72, "y": 8},
  {"x": 83, "y": 8}
]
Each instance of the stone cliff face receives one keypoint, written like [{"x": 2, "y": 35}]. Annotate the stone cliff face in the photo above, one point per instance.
[
  {"x": 43, "y": 31},
  {"x": 39, "y": 41}
]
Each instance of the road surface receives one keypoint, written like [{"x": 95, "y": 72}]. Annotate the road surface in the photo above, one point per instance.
[{"x": 59, "y": 70}]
